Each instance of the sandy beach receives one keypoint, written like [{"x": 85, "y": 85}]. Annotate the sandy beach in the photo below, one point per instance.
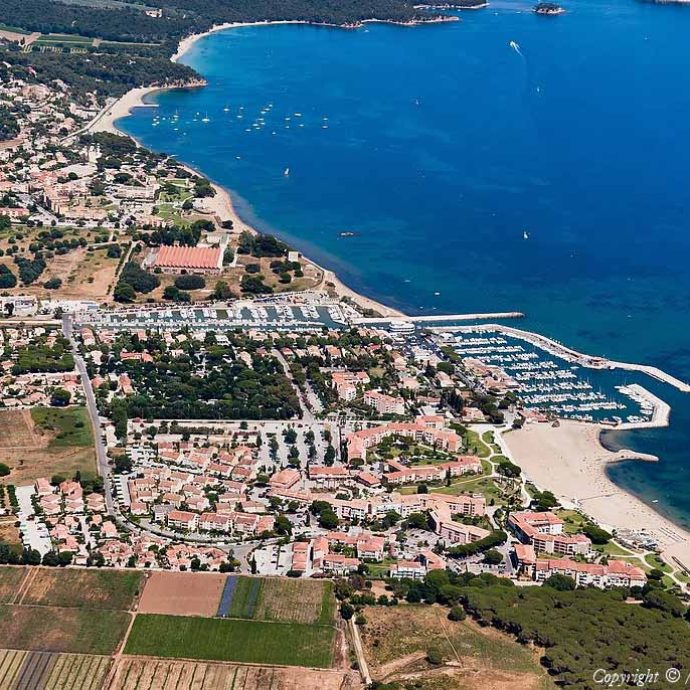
[{"x": 570, "y": 461}]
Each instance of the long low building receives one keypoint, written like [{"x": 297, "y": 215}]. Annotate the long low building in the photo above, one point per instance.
[
  {"x": 175, "y": 259},
  {"x": 377, "y": 506},
  {"x": 614, "y": 574},
  {"x": 419, "y": 473}
]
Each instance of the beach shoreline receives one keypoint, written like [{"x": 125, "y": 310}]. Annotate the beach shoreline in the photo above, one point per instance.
[{"x": 570, "y": 460}]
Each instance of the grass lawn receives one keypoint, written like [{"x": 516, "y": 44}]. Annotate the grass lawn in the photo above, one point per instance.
[
  {"x": 481, "y": 485},
  {"x": 71, "y": 425},
  {"x": 612, "y": 549},
  {"x": 100, "y": 589},
  {"x": 217, "y": 639},
  {"x": 61, "y": 630},
  {"x": 574, "y": 522},
  {"x": 654, "y": 561},
  {"x": 475, "y": 445},
  {"x": 380, "y": 569}
]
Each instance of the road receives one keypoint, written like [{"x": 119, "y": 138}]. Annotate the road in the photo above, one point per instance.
[{"x": 101, "y": 455}]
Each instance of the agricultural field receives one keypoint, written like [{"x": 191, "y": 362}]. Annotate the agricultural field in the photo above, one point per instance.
[
  {"x": 43, "y": 629},
  {"x": 398, "y": 640},
  {"x": 278, "y": 599},
  {"x": 182, "y": 594},
  {"x": 29, "y": 670},
  {"x": 217, "y": 639},
  {"x": 11, "y": 579},
  {"x": 299, "y": 601},
  {"x": 132, "y": 673},
  {"x": 245, "y": 597},
  {"x": 79, "y": 588},
  {"x": 45, "y": 441}
]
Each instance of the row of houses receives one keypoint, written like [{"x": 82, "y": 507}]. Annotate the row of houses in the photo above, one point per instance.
[{"x": 615, "y": 573}]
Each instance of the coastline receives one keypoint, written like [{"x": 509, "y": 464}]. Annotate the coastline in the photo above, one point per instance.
[
  {"x": 222, "y": 204},
  {"x": 571, "y": 461},
  {"x": 574, "y": 473}
]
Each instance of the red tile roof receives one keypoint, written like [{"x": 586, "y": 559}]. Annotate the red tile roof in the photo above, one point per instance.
[{"x": 188, "y": 257}]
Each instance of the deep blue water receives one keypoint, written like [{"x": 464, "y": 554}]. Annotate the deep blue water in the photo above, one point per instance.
[{"x": 442, "y": 144}]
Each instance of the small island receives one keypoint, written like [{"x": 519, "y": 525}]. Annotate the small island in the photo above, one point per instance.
[{"x": 550, "y": 8}]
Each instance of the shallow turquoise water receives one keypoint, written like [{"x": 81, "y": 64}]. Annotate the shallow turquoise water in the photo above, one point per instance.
[{"x": 440, "y": 145}]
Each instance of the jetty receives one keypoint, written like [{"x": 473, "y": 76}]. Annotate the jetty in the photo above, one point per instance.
[{"x": 438, "y": 318}]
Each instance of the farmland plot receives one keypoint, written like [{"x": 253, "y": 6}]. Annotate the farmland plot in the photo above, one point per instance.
[
  {"x": 182, "y": 594},
  {"x": 299, "y": 601},
  {"x": 222, "y": 639},
  {"x": 50, "y": 671},
  {"x": 10, "y": 582},
  {"x": 148, "y": 674},
  {"x": 245, "y": 597},
  {"x": 53, "y": 629},
  {"x": 102, "y": 589}
]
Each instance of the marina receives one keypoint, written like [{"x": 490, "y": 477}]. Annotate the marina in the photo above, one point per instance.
[
  {"x": 220, "y": 316},
  {"x": 547, "y": 382}
]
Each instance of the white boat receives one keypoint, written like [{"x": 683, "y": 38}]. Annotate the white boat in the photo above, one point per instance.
[
  {"x": 525, "y": 235},
  {"x": 286, "y": 172}
]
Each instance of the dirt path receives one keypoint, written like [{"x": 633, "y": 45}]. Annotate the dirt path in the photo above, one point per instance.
[{"x": 24, "y": 586}]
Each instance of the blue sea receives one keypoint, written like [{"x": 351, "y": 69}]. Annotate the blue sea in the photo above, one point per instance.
[{"x": 439, "y": 146}]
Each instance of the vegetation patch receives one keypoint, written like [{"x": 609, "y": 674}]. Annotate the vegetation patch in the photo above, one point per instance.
[
  {"x": 299, "y": 601},
  {"x": 71, "y": 425},
  {"x": 245, "y": 597},
  {"x": 61, "y": 629},
  {"x": 584, "y": 629},
  {"x": 10, "y": 580},
  {"x": 101, "y": 589},
  {"x": 32, "y": 446},
  {"x": 418, "y": 639}
]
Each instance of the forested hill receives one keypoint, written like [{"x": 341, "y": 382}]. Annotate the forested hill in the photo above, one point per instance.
[
  {"x": 126, "y": 22},
  {"x": 115, "y": 45}
]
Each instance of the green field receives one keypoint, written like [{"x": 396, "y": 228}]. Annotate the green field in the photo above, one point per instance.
[
  {"x": 70, "y": 424},
  {"x": 53, "y": 629},
  {"x": 284, "y": 600},
  {"x": 81, "y": 588},
  {"x": 476, "y": 445},
  {"x": 216, "y": 639},
  {"x": 245, "y": 597}
]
